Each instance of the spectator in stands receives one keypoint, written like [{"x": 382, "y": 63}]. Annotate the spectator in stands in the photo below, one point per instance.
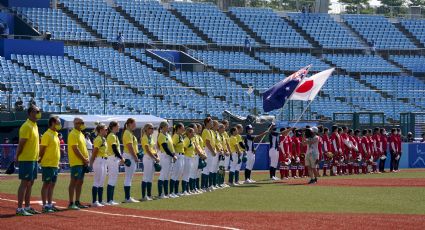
[
  {"x": 410, "y": 137},
  {"x": 303, "y": 9},
  {"x": 310, "y": 9},
  {"x": 247, "y": 44},
  {"x": 89, "y": 143},
  {"x": 120, "y": 42},
  {"x": 6, "y": 153},
  {"x": 31, "y": 102},
  {"x": 19, "y": 105}
]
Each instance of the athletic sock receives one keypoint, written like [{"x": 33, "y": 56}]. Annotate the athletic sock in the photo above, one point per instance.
[
  {"x": 236, "y": 176},
  {"x": 184, "y": 184},
  {"x": 324, "y": 170},
  {"x": 172, "y": 183},
  {"x": 94, "y": 193},
  {"x": 271, "y": 172},
  {"x": 143, "y": 189},
  {"x": 166, "y": 187},
  {"x": 231, "y": 175},
  {"x": 246, "y": 172},
  {"x": 149, "y": 188},
  {"x": 176, "y": 187},
  {"x": 127, "y": 192},
  {"x": 100, "y": 194},
  {"x": 282, "y": 173},
  {"x": 108, "y": 193},
  {"x": 197, "y": 183},
  {"x": 204, "y": 177},
  {"x": 214, "y": 179},
  {"x": 160, "y": 185},
  {"x": 210, "y": 180}
]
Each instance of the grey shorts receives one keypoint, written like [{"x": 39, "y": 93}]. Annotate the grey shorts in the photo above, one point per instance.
[{"x": 310, "y": 160}]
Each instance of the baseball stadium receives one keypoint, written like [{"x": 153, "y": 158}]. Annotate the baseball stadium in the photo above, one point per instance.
[{"x": 212, "y": 114}]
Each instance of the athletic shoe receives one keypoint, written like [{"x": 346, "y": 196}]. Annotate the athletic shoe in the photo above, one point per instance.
[
  {"x": 252, "y": 181},
  {"x": 164, "y": 197},
  {"x": 55, "y": 209},
  {"x": 79, "y": 205},
  {"x": 97, "y": 204},
  {"x": 311, "y": 181},
  {"x": 22, "y": 212},
  {"x": 105, "y": 203},
  {"x": 32, "y": 211},
  {"x": 172, "y": 195},
  {"x": 247, "y": 181},
  {"x": 214, "y": 187},
  {"x": 73, "y": 207},
  {"x": 111, "y": 202},
  {"x": 235, "y": 184},
  {"x": 186, "y": 193},
  {"x": 47, "y": 209},
  {"x": 179, "y": 194},
  {"x": 131, "y": 200},
  {"x": 240, "y": 182}
]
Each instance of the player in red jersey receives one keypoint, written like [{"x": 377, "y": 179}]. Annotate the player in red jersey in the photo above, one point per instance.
[
  {"x": 352, "y": 155},
  {"x": 296, "y": 150},
  {"x": 335, "y": 149},
  {"x": 357, "y": 154},
  {"x": 398, "y": 157},
  {"x": 372, "y": 149},
  {"x": 377, "y": 147},
  {"x": 393, "y": 148},
  {"x": 383, "y": 146},
  {"x": 326, "y": 149},
  {"x": 346, "y": 148},
  {"x": 285, "y": 149},
  {"x": 320, "y": 147},
  {"x": 365, "y": 150}
]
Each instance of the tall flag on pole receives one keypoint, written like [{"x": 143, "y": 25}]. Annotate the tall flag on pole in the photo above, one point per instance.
[
  {"x": 276, "y": 96},
  {"x": 310, "y": 87}
]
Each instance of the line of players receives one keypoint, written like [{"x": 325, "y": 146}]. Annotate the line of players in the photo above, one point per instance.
[{"x": 343, "y": 152}]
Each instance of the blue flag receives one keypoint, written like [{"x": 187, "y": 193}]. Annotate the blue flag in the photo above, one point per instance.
[{"x": 276, "y": 96}]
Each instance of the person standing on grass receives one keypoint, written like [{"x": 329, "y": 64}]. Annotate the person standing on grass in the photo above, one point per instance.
[
  {"x": 131, "y": 149},
  {"x": 27, "y": 155},
  {"x": 49, "y": 160},
  {"x": 149, "y": 159},
  {"x": 167, "y": 155},
  {"x": 326, "y": 149},
  {"x": 311, "y": 140},
  {"x": 78, "y": 160},
  {"x": 398, "y": 157},
  {"x": 383, "y": 147},
  {"x": 98, "y": 163},
  {"x": 114, "y": 160}
]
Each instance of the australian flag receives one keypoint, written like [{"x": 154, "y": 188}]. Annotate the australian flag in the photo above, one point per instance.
[{"x": 276, "y": 96}]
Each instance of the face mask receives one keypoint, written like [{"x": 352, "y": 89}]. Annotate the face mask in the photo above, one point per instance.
[
  {"x": 250, "y": 131},
  {"x": 82, "y": 127},
  {"x": 38, "y": 115},
  {"x": 58, "y": 127}
]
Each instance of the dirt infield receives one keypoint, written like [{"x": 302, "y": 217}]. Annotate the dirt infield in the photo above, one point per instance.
[
  {"x": 366, "y": 182},
  {"x": 119, "y": 218}
]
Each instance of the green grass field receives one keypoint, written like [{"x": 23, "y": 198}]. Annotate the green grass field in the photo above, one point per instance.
[{"x": 266, "y": 196}]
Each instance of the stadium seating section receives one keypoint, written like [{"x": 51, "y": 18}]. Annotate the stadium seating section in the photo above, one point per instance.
[{"x": 97, "y": 79}]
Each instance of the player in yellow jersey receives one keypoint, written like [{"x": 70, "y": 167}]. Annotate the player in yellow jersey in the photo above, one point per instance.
[
  {"x": 189, "y": 154},
  {"x": 209, "y": 142},
  {"x": 78, "y": 156},
  {"x": 49, "y": 160},
  {"x": 98, "y": 163},
  {"x": 130, "y": 152},
  {"x": 27, "y": 156},
  {"x": 114, "y": 160},
  {"x": 149, "y": 159},
  {"x": 225, "y": 153},
  {"x": 235, "y": 162},
  {"x": 200, "y": 157},
  {"x": 167, "y": 156},
  {"x": 220, "y": 154},
  {"x": 178, "y": 166}
]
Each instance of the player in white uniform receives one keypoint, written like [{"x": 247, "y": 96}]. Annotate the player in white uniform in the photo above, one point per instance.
[
  {"x": 131, "y": 149},
  {"x": 178, "y": 166},
  {"x": 114, "y": 160},
  {"x": 98, "y": 163},
  {"x": 167, "y": 156},
  {"x": 250, "y": 151},
  {"x": 149, "y": 159},
  {"x": 273, "y": 151}
]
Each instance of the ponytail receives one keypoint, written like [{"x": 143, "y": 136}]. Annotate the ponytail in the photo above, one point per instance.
[
  {"x": 112, "y": 124},
  {"x": 129, "y": 121}
]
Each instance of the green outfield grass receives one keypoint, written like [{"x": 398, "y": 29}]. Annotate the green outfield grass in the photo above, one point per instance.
[{"x": 266, "y": 196}]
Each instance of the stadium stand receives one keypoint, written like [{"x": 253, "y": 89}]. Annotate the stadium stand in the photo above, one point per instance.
[
  {"x": 326, "y": 31},
  {"x": 270, "y": 27},
  {"x": 292, "y": 61},
  {"x": 415, "y": 63},
  {"x": 160, "y": 22},
  {"x": 379, "y": 32},
  {"x": 56, "y": 22},
  {"x": 228, "y": 60},
  {"x": 415, "y": 27},
  {"x": 141, "y": 54},
  {"x": 361, "y": 63},
  {"x": 212, "y": 22}
]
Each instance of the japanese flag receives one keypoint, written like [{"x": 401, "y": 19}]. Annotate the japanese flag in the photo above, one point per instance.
[{"x": 310, "y": 87}]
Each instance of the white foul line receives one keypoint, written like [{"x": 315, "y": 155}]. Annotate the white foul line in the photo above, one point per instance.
[{"x": 144, "y": 217}]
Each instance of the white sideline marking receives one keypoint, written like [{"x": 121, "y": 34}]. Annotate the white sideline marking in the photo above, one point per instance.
[{"x": 145, "y": 217}]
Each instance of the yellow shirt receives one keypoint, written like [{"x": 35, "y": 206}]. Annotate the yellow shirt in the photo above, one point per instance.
[
  {"x": 52, "y": 153},
  {"x": 239, "y": 137},
  {"x": 178, "y": 143},
  {"x": 218, "y": 141},
  {"x": 31, "y": 149},
  {"x": 207, "y": 135},
  {"x": 200, "y": 142},
  {"x": 76, "y": 138},
  {"x": 112, "y": 139},
  {"x": 189, "y": 146},
  {"x": 101, "y": 145},
  {"x": 165, "y": 139},
  {"x": 233, "y": 141},
  {"x": 224, "y": 141},
  {"x": 146, "y": 141},
  {"x": 129, "y": 138}
]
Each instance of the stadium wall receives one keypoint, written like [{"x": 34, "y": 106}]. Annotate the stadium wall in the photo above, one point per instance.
[
  {"x": 34, "y": 47},
  {"x": 26, "y": 3},
  {"x": 9, "y": 20}
]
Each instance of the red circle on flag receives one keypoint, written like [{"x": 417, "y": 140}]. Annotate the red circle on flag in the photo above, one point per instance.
[{"x": 305, "y": 87}]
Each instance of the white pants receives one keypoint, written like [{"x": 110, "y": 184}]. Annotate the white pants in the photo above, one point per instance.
[
  {"x": 188, "y": 162},
  {"x": 251, "y": 160},
  {"x": 194, "y": 171},
  {"x": 99, "y": 169},
  {"x": 210, "y": 157},
  {"x": 129, "y": 171},
  {"x": 234, "y": 166},
  {"x": 213, "y": 167},
  {"x": 226, "y": 162},
  {"x": 113, "y": 165},
  {"x": 165, "y": 166},
  {"x": 148, "y": 168},
  {"x": 274, "y": 157},
  {"x": 178, "y": 167}
]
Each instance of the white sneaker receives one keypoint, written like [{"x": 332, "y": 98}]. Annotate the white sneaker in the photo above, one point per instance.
[
  {"x": 275, "y": 178},
  {"x": 105, "y": 203},
  {"x": 252, "y": 181},
  {"x": 240, "y": 182},
  {"x": 186, "y": 193},
  {"x": 146, "y": 198},
  {"x": 164, "y": 197},
  {"x": 172, "y": 195},
  {"x": 112, "y": 203},
  {"x": 235, "y": 184},
  {"x": 97, "y": 204},
  {"x": 131, "y": 200}
]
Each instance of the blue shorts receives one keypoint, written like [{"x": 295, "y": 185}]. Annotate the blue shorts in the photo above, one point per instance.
[
  {"x": 49, "y": 174},
  {"x": 77, "y": 172},
  {"x": 27, "y": 170}
]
